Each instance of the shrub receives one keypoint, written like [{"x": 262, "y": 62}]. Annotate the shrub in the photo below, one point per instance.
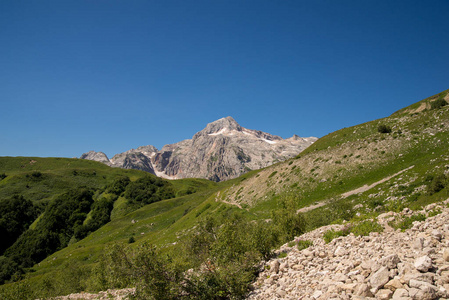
[
  {"x": 119, "y": 185},
  {"x": 303, "y": 244},
  {"x": 332, "y": 234},
  {"x": 154, "y": 275},
  {"x": 282, "y": 255},
  {"x": 384, "y": 128},
  {"x": 434, "y": 213},
  {"x": 223, "y": 254},
  {"x": 407, "y": 222},
  {"x": 437, "y": 183},
  {"x": 148, "y": 189},
  {"x": 439, "y": 103},
  {"x": 366, "y": 227},
  {"x": 36, "y": 174},
  {"x": 289, "y": 224}
]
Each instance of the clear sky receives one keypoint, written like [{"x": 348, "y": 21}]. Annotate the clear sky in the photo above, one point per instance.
[{"x": 114, "y": 75}]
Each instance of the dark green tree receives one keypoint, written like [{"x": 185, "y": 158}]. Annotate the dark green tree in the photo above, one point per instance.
[
  {"x": 119, "y": 185},
  {"x": 16, "y": 215}
]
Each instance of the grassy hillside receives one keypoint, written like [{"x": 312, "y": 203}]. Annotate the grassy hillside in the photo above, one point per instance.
[
  {"x": 352, "y": 174},
  {"x": 350, "y": 158},
  {"x": 47, "y": 204}
]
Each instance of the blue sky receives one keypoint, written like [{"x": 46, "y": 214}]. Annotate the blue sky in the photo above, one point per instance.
[{"x": 114, "y": 75}]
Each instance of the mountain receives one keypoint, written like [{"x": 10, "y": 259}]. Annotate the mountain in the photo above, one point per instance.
[
  {"x": 221, "y": 151},
  {"x": 359, "y": 179}
]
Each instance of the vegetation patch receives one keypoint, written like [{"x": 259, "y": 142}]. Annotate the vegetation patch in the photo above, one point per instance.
[
  {"x": 304, "y": 244},
  {"x": 331, "y": 234},
  {"x": 407, "y": 222},
  {"x": 366, "y": 227}
]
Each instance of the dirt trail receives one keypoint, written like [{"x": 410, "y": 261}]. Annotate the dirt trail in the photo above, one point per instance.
[
  {"x": 368, "y": 187},
  {"x": 217, "y": 199},
  {"x": 353, "y": 192}
]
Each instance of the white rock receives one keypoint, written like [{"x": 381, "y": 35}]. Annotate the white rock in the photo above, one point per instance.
[
  {"x": 340, "y": 251},
  {"x": 384, "y": 294},
  {"x": 423, "y": 263},
  {"x": 390, "y": 261},
  {"x": 400, "y": 294},
  {"x": 275, "y": 266},
  {"x": 380, "y": 278}
]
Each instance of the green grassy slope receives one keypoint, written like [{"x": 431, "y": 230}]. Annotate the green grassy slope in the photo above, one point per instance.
[
  {"x": 37, "y": 184},
  {"x": 353, "y": 157},
  {"x": 162, "y": 223},
  {"x": 56, "y": 176}
]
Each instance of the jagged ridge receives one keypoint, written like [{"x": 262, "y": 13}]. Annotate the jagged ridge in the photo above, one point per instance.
[{"x": 221, "y": 151}]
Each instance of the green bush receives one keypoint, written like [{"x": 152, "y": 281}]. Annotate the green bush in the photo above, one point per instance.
[
  {"x": 19, "y": 290},
  {"x": 226, "y": 274},
  {"x": 333, "y": 213},
  {"x": 149, "y": 189},
  {"x": 364, "y": 228},
  {"x": 289, "y": 223},
  {"x": 119, "y": 185},
  {"x": 407, "y": 222},
  {"x": 303, "y": 244},
  {"x": 437, "y": 104},
  {"x": 383, "y": 128},
  {"x": 331, "y": 234},
  {"x": 8, "y": 268},
  {"x": 437, "y": 183}
]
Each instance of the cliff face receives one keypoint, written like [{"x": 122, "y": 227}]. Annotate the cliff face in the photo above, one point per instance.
[{"x": 221, "y": 151}]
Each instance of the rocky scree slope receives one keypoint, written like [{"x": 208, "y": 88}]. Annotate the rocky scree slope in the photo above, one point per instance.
[
  {"x": 413, "y": 264},
  {"x": 221, "y": 151}
]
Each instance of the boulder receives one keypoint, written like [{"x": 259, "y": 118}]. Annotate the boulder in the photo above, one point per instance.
[
  {"x": 423, "y": 263},
  {"x": 380, "y": 278},
  {"x": 390, "y": 261}
]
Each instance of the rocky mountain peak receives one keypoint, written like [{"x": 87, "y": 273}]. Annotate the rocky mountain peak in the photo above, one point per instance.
[
  {"x": 97, "y": 156},
  {"x": 222, "y": 125},
  {"x": 221, "y": 151}
]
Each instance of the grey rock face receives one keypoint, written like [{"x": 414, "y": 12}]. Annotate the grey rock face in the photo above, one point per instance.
[
  {"x": 221, "y": 151},
  {"x": 97, "y": 156}
]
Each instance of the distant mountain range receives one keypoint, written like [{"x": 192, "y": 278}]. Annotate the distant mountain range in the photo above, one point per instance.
[{"x": 221, "y": 151}]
